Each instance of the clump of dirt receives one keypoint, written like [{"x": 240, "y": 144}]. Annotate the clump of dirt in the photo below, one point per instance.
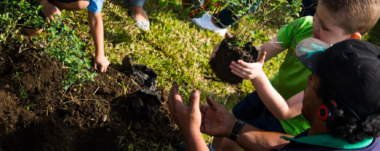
[
  {"x": 228, "y": 52},
  {"x": 37, "y": 114}
]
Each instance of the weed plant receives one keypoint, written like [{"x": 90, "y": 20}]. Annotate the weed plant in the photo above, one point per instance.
[
  {"x": 11, "y": 12},
  {"x": 64, "y": 46}
]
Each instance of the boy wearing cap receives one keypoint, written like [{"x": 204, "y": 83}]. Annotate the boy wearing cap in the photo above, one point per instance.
[
  {"x": 266, "y": 108},
  {"x": 51, "y": 7},
  {"x": 341, "y": 102}
]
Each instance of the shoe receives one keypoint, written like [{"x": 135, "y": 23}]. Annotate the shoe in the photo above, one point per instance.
[
  {"x": 144, "y": 25},
  {"x": 182, "y": 147},
  {"x": 206, "y": 23}
]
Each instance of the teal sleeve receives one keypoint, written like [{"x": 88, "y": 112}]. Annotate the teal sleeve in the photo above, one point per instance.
[{"x": 289, "y": 31}]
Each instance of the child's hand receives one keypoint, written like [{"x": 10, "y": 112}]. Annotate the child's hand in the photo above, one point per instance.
[
  {"x": 248, "y": 71},
  {"x": 102, "y": 62},
  {"x": 49, "y": 10},
  {"x": 227, "y": 35}
]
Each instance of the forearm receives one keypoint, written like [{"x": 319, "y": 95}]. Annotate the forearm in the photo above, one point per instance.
[
  {"x": 275, "y": 103},
  {"x": 273, "y": 48},
  {"x": 96, "y": 27},
  {"x": 252, "y": 138},
  {"x": 194, "y": 140}
]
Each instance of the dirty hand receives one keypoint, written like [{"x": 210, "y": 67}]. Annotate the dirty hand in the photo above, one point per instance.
[
  {"x": 102, "y": 62},
  {"x": 216, "y": 120},
  {"x": 227, "y": 35},
  {"x": 49, "y": 10},
  {"x": 246, "y": 70},
  {"x": 188, "y": 119}
]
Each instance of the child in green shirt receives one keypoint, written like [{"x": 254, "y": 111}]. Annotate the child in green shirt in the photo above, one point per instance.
[{"x": 267, "y": 108}]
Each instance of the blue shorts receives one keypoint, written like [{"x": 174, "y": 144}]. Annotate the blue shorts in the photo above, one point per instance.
[{"x": 252, "y": 110}]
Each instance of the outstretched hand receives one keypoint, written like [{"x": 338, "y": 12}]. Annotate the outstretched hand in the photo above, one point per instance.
[
  {"x": 187, "y": 118},
  {"x": 216, "y": 120},
  {"x": 246, "y": 70}
]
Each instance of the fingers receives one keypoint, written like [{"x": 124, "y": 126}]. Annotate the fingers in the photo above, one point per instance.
[
  {"x": 95, "y": 66},
  {"x": 194, "y": 100},
  {"x": 173, "y": 91},
  {"x": 241, "y": 67},
  {"x": 215, "y": 51},
  {"x": 262, "y": 57},
  {"x": 211, "y": 102},
  {"x": 228, "y": 35},
  {"x": 103, "y": 68}
]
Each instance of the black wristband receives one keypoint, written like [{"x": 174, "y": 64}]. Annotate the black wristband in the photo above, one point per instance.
[{"x": 236, "y": 130}]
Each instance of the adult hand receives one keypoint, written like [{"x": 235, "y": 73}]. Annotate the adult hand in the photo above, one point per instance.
[
  {"x": 188, "y": 119},
  {"x": 49, "y": 10},
  {"x": 246, "y": 70},
  {"x": 102, "y": 62},
  {"x": 227, "y": 35},
  {"x": 216, "y": 120}
]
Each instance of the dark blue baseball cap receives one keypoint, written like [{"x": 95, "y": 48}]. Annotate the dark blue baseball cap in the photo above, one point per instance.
[{"x": 351, "y": 69}]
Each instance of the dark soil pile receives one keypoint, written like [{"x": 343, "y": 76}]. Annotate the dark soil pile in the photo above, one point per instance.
[
  {"x": 227, "y": 53},
  {"x": 99, "y": 115}
]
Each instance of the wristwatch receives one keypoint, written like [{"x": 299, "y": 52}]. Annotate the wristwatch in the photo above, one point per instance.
[{"x": 236, "y": 130}]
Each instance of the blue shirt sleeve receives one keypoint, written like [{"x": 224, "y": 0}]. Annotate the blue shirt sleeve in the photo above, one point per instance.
[{"x": 95, "y": 6}]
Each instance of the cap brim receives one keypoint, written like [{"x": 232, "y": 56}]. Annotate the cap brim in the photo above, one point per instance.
[{"x": 308, "y": 52}]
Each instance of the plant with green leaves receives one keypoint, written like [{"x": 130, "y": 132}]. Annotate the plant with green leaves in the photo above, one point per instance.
[
  {"x": 258, "y": 12},
  {"x": 11, "y": 13},
  {"x": 64, "y": 46}
]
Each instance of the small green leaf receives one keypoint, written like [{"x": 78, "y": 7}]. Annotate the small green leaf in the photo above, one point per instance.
[
  {"x": 186, "y": 11},
  {"x": 28, "y": 107},
  {"x": 177, "y": 7},
  {"x": 236, "y": 26},
  {"x": 252, "y": 32},
  {"x": 211, "y": 7},
  {"x": 163, "y": 3}
]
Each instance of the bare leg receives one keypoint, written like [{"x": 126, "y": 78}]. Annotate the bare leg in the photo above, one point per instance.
[{"x": 139, "y": 13}]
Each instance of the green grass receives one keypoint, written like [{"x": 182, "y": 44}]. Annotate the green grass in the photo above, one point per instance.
[{"x": 373, "y": 35}]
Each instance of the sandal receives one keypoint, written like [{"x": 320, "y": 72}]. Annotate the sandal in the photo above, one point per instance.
[{"x": 144, "y": 25}]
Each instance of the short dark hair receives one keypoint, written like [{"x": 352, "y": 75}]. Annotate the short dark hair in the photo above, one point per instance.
[{"x": 345, "y": 125}]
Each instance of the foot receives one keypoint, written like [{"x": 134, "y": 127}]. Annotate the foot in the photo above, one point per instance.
[
  {"x": 139, "y": 13},
  {"x": 206, "y": 22},
  {"x": 141, "y": 18}
]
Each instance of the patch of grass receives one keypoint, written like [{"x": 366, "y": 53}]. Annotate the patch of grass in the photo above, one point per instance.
[{"x": 373, "y": 36}]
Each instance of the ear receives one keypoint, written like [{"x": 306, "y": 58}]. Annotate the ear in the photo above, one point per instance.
[
  {"x": 356, "y": 35},
  {"x": 334, "y": 104}
]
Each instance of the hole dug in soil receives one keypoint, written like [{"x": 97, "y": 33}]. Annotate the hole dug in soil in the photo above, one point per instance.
[
  {"x": 95, "y": 116},
  {"x": 227, "y": 53}
]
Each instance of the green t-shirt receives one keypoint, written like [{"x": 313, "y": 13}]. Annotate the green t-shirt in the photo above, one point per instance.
[{"x": 291, "y": 77}]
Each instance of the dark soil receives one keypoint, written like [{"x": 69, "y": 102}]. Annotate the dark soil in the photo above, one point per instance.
[
  {"x": 96, "y": 116},
  {"x": 228, "y": 53}
]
